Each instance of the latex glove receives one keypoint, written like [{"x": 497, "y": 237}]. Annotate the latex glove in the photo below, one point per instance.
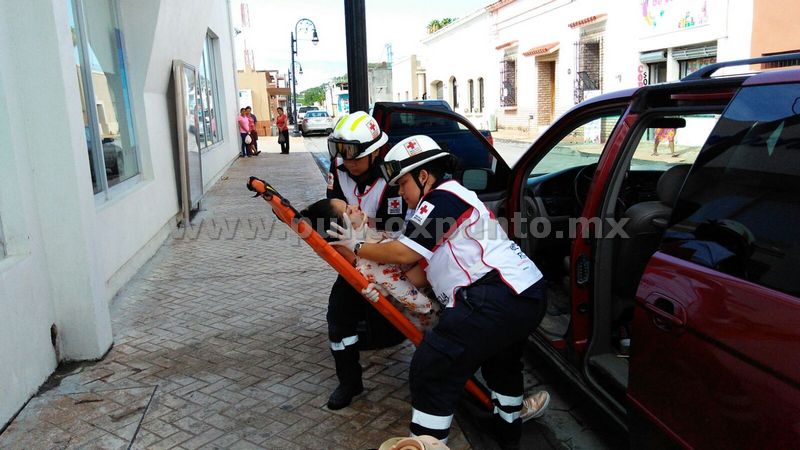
[
  {"x": 347, "y": 236},
  {"x": 371, "y": 293}
]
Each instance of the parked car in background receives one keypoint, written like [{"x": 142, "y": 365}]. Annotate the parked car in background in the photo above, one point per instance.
[
  {"x": 316, "y": 122},
  {"x": 302, "y": 110},
  {"x": 664, "y": 219}
]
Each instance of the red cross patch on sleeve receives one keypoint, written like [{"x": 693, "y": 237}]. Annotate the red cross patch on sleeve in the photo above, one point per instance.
[
  {"x": 395, "y": 205},
  {"x": 422, "y": 213}
]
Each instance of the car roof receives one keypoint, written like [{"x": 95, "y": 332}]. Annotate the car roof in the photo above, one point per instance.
[{"x": 422, "y": 103}]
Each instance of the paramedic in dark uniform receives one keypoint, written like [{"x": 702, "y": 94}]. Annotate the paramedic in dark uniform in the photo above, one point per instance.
[
  {"x": 355, "y": 177},
  {"x": 494, "y": 296}
]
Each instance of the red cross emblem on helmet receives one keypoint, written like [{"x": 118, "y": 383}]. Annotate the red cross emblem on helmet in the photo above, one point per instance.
[
  {"x": 411, "y": 145},
  {"x": 372, "y": 126}
]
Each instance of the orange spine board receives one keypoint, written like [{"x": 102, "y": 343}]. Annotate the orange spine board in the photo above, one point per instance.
[{"x": 287, "y": 215}]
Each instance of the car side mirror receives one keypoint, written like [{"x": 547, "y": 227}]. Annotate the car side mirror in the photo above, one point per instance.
[{"x": 475, "y": 179}]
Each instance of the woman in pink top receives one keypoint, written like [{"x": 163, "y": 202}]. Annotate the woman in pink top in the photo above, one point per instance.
[
  {"x": 244, "y": 130},
  {"x": 283, "y": 131}
]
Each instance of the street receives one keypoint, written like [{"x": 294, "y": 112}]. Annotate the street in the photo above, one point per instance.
[{"x": 511, "y": 151}]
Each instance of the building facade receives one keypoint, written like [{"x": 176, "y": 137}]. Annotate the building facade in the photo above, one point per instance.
[
  {"x": 89, "y": 185},
  {"x": 538, "y": 58},
  {"x": 406, "y": 84},
  {"x": 379, "y": 82},
  {"x": 456, "y": 64}
]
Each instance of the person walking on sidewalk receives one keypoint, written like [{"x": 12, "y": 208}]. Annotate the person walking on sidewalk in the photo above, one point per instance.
[
  {"x": 355, "y": 177},
  {"x": 282, "y": 123},
  {"x": 494, "y": 295},
  {"x": 244, "y": 130}
]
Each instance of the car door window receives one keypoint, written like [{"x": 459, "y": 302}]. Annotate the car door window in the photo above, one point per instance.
[
  {"x": 581, "y": 146},
  {"x": 660, "y": 148},
  {"x": 739, "y": 210}
]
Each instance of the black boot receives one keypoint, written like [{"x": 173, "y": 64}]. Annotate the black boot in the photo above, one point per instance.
[
  {"x": 343, "y": 395},
  {"x": 348, "y": 370}
]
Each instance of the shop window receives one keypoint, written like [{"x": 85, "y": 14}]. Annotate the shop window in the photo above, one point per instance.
[
  {"x": 508, "y": 77},
  {"x": 657, "y": 72},
  {"x": 102, "y": 79},
  {"x": 692, "y": 65},
  {"x": 208, "y": 101}
]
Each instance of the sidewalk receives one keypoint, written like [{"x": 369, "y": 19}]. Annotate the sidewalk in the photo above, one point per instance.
[
  {"x": 523, "y": 136},
  {"x": 221, "y": 342}
]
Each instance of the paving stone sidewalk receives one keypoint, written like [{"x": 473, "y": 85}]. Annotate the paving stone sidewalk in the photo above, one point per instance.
[{"x": 220, "y": 341}]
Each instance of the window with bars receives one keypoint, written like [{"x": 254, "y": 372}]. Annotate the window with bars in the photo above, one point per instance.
[
  {"x": 454, "y": 88},
  {"x": 508, "y": 78},
  {"x": 2, "y": 241},
  {"x": 480, "y": 94},
  {"x": 471, "y": 86}
]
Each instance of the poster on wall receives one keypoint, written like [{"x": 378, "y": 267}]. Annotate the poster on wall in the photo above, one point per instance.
[
  {"x": 245, "y": 98},
  {"x": 344, "y": 103},
  {"x": 665, "y": 16},
  {"x": 189, "y": 163}
]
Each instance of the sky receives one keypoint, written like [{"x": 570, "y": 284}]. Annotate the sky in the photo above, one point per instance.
[{"x": 401, "y": 23}]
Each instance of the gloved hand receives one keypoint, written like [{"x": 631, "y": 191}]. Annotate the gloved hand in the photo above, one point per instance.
[
  {"x": 371, "y": 293},
  {"x": 347, "y": 236}
]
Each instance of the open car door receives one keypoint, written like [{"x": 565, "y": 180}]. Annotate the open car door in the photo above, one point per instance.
[
  {"x": 715, "y": 346},
  {"x": 481, "y": 168}
]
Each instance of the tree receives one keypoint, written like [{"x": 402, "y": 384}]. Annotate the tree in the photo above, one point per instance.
[
  {"x": 313, "y": 95},
  {"x": 436, "y": 25}
]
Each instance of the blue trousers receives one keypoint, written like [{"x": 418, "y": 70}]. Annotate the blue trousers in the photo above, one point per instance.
[{"x": 487, "y": 328}]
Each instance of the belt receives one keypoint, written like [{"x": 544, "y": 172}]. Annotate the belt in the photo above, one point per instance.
[{"x": 461, "y": 294}]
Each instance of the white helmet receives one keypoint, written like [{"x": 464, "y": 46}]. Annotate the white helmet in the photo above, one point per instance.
[
  {"x": 356, "y": 136},
  {"x": 409, "y": 154}
]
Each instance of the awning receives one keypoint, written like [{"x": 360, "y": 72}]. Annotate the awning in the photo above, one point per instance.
[
  {"x": 682, "y": 54},
  {"x": 542, "y": 49},
  {"x": 588, "y": 20},
  {"x": 506, "y": 44},
  {"x": 653, "y": 57},
  {"x": 278, "y": 91}
]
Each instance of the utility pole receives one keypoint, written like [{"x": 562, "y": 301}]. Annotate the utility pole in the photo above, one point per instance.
[{"x": 355, "y": 24}]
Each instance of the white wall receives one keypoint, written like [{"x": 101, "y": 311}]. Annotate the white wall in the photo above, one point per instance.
[
  {"x": 68, "y": 251},
  {"x": 404, "y": 79},
  {"x": 462, "y": 50}
]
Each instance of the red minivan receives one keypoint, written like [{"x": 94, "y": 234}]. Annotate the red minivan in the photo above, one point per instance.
[{"x": 663, "y": 218}]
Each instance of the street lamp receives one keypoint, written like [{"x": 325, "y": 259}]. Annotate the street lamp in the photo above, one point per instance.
[
  {"x": 291, "y": 80},
  {"x": 307, "y": 24}
]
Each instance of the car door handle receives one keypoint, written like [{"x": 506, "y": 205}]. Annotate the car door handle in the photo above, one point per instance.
[{"x": 668, "y": 313}]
